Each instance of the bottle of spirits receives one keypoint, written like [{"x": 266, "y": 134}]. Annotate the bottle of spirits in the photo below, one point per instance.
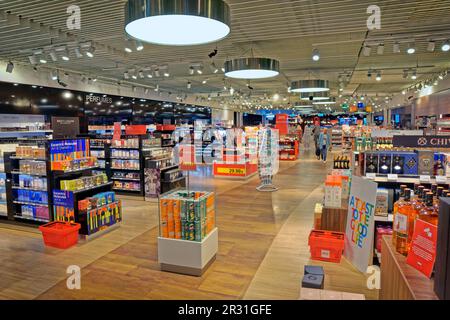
[
  {"x": 398, "y": 203},
  {"x": 429, "y": 213},
  {"x": 402, "y": 223}
]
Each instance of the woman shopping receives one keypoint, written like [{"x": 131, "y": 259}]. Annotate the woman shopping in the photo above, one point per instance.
[{"x": 324, "y": 144}]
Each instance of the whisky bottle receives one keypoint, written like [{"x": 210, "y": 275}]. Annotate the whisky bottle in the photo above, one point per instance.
[
  {"x": 397, "y": 203},
  {"x": 429, "y": 213},
  {"x": 402, "y": 223}
]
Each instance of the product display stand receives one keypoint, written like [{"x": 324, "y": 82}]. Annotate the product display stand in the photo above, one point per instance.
[
  {"x": 268, "y": 159},
  {"x": 188, "y": 240}
]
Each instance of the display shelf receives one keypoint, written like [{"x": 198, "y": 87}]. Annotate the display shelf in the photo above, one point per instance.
[
  {"x": 92, "y": 188},
  {"x": 76, "y": 170},
  {"x": 124, "y": 169},
  {"x": 31, "y": 219},
  {"x": 27, "y": 158},
  {"x": 123, "y": 158},
  {"x": 28, "y": 188},
  {"x": 27, "y": 174},
  {"x": 128, "y": 190},
  {"x": 125, "y": 148},
  {"x": 125, "y": 179},
  {"x": 37, "y": 204},
  {"x": 406, "y": 180}
]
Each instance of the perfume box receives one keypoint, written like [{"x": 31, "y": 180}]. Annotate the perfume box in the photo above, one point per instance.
[
  {"x": 385, "y": 163},
  {"x": 408, "y": 160},
  {"x": 426, "y": 162},
  {"x": 370, "y": 162}
]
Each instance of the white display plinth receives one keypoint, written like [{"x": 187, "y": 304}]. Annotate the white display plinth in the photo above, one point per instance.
[{"x": 188, "y": 257}]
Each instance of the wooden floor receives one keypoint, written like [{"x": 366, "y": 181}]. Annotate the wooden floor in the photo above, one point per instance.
[{"x": 263, "y": 247}]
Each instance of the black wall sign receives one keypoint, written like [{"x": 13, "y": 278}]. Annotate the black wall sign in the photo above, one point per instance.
[
  {"x": 65, "y": 127},
  {"x": 422, "y": 141}
]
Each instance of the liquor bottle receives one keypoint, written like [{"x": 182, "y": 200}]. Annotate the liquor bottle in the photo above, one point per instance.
[
  {"x": 398, "y": 203},
  {"x": 439, "y": 169},
  {"x": 434, "y": 189},
  {"x": 397, "y": 167},
  {"x": 429, "y": 213},
  {"x": 402, "y": 223}
]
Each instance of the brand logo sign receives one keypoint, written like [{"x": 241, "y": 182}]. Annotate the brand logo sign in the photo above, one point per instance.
[
  {"x": 98, "y": 99},
  {"x": 421, "y": 142}
]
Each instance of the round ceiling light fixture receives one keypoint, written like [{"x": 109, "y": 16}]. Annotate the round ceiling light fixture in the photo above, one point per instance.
[
  {"x": 314, "y": 96},
  {"x": 177, "y": 22},
  {"x": 252, "y": 68},
  {"x": 310, "y": 86}
]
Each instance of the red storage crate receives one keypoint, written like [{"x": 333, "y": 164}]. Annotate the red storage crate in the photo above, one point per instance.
[
  {"x": 326, "y": 245},
  {"x": 59, "y": 234}
]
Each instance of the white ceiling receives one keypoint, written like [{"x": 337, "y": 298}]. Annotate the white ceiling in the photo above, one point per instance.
[{"x": 286, "y": 30}]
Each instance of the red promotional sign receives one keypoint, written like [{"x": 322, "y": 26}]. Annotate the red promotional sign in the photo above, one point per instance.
[
  {"x": 117, "y": 131},
  {"x": 136, "y": 129},
  {"x": 187, "y": 158},
  {"x": 282, "y": 123},
  {"x": 316, "y": 121},
  {"x": 422, "y": 254}
]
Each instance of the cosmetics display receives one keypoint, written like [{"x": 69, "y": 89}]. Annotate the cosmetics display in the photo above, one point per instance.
[{"x": 187, "y": 216}]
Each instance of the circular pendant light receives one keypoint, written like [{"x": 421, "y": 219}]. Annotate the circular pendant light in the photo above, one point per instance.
[
  {"x": 310, "y": 86},
  {"x": 252, "y": 68},
  {"x": 177, "y": 22},
  {"x": 316, "y": 96}
]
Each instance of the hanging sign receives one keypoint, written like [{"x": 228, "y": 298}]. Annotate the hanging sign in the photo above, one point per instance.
[
  {"x": 422, "y": 141},
  {"x": 117, "y": 131},
  {"x": 136, "y": 130},
  {"x": 359, "y": 232},
  {"x": 422, "y": 254}
]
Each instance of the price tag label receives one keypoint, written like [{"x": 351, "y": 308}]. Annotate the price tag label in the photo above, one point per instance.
[
  {"x": 425, "y": 179},
  {"x": 392, "y": 177},
  {"x": 441, "y": 179},
  {"x": 371, "y": 176}
]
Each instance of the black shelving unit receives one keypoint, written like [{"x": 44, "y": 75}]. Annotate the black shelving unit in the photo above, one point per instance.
[{"x": 139, "y": 173}]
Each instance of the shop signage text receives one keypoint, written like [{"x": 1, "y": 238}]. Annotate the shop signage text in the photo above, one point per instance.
[{"x": 422, "y": 142}]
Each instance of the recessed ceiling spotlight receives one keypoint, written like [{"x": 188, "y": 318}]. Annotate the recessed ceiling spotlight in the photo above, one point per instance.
[
  {"x": 445, "y": 46},
  {"x": 54, "y": 75},
  {"x": 205, "y": 81},
  {"x": 380, "y": 49},
  {"x": 166, "y": 74},
  {"x": 414, "y": 75},
  {"x": 53, "y": 55},
  {"x": 410, "y": 49},
  {"x": 78, "y": 53},
  {"x": 378, "y": 77},
  {"x": 366, "y": 50},
  {"x": 10, "y": 67},
  {"x": 316, "y": 55},
  {"x": 169, "y": 24},
  {"x": 139, "y": 46},
  {"x": 134, "y": 76},
  {"x": 65, "y": 55},
  {"x": 431, "y": 46},
  {"x": 90, "y": 52},
  {"x": 396, "y": 47},
  {"x": 149, "y": 75}
]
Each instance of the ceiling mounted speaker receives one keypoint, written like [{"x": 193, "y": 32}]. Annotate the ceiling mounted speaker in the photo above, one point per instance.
[
  {"x": 177, "y": 22},
  {"x": 310, "y": 86},
  {"x": 252, "y": 68}
]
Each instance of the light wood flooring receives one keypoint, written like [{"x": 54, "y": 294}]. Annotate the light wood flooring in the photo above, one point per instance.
[{"x": 263, "y": 246}]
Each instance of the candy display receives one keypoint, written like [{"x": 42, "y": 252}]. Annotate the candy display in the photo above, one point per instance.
[
  {"x": 187, "y": 216},
  {"x": 127, "y": 185},
  {"x": 126, "y": 175},
  {"x": 76, "y": 164}
]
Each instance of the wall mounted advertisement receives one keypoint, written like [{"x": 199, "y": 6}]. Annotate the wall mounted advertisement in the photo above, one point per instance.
[{"x": 360, "y": 223}]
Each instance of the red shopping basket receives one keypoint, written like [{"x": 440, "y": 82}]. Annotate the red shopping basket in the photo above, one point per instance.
[
  {"x": 326, "y": 245},
  {"x": 59, "y": 234}
]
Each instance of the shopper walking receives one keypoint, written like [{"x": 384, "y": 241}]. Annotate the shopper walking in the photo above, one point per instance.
[
  {"x": 324, "y": 144},
  {"x": 316, "y": 134}
]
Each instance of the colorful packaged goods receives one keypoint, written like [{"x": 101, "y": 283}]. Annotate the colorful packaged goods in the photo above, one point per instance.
[
  {"x": 31, "y": 152},
  {"x": 33, "y": 167},
  {"x": 187, "y": 216},
  {"x": 84, "y": 182},
  {"x": 68, "y": 155},
  {"x": 333, "y": 192}
]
